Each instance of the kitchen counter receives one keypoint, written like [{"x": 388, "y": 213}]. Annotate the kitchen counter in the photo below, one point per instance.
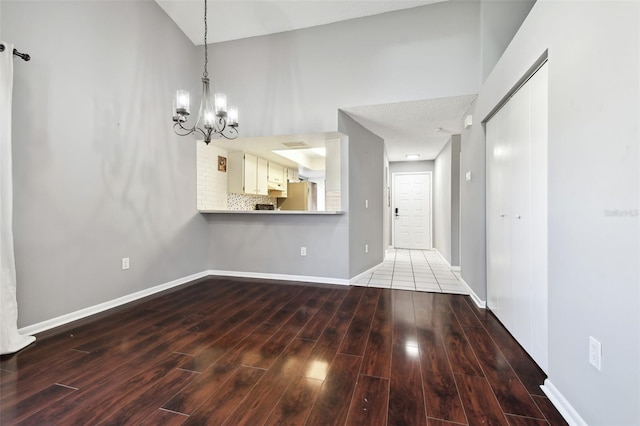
[{"x": 273, "y": 212}]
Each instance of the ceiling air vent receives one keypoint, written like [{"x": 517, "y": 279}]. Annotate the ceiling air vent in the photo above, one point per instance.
[{"x": 298, "y": 144}]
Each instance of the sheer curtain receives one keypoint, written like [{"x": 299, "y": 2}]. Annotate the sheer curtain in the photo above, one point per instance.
[{"x": 10, "y": 340}]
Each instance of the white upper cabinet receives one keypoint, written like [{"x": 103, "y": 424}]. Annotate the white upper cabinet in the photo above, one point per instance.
[
  {"x": 276, "y": 173},
  {"x": 261, "y": 177},
  {"x": 247, "y": 174}
]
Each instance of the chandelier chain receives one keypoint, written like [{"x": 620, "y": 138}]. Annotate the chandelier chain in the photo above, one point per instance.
[
  {"x": 205, "y": 74},
  {"x": 213, "y": 119}
]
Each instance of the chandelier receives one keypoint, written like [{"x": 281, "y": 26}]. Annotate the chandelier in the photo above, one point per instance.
[{"x": 214, "y": 117}]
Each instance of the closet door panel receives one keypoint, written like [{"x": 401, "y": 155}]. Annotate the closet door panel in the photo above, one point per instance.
[
  {"x": 520, "y": 324},
  {"x": 499, "y": 250}
]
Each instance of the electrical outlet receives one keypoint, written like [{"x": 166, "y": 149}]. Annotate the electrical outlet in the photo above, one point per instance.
[
  {"x": 595, "y": 353},
  {"x": 125, "y": 263},
  {"x": 303, "y": 251},
  {"x": 366, "y": 248}
]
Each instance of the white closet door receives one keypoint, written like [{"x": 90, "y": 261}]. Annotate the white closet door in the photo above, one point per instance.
[
  {"x": 498, "y": 223},
  {"x": 517, "y": 216},
  {"x": 519, "y": 128}
]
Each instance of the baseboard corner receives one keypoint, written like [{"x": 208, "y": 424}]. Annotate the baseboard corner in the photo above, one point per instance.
[
  {"x": 353, "y": 280},
  {"x": 482, "y": 304},
  {"x": 562, "y": 405}
]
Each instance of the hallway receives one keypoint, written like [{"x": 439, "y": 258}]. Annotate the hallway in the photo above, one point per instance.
[{"x": 418, "y": 270}]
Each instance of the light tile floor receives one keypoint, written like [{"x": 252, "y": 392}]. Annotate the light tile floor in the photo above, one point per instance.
[{"x": 418, "y": 270}]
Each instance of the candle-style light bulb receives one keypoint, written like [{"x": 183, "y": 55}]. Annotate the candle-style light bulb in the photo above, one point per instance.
[
  {"x": 220, "y": 102},
  {"x": 232, "y": 116},
  {"x": 182, "y": 102}
]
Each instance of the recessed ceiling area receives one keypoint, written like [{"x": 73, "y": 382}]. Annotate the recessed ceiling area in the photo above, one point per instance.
[
  {"x": 233, "y": 19},
  {"x": 270, "y": 148},
  {"x": 408, "y": 127}
]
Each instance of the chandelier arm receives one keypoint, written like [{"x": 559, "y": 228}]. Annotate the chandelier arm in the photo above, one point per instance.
[
  {"x": 180, "y": 130},
  {"x": 221, "y": 123},
  {"x": 230, "y": 132}
]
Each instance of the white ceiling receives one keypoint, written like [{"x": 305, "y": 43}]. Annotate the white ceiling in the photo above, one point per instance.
[
  {"x": 235, "y": 19},
  {"x": 406, "y": 127},
  {"x": 263, "y": 147}
]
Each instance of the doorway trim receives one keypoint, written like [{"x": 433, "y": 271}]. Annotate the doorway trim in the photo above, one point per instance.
[{"x": 393, "y": 205}]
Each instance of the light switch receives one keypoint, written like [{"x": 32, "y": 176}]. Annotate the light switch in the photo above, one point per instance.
[{"x": 467, "y": 176}]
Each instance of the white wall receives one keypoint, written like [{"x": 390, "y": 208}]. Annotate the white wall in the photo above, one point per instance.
[
  {"x": 594, "y": 109},
  {"x": 98, "y": 173},
  {"x": 442, "y": 202}
]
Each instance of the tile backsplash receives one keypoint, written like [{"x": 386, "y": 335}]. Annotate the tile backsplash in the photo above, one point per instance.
[
  {"x": 248, "y": 202},
  {"x": 211, "y": 183}
]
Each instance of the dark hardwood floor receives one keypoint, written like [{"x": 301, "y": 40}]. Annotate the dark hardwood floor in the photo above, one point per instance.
[{"x": 250, "y": 352}]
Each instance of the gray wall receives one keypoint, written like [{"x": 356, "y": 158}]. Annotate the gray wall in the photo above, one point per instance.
[
  {"x": 409, "y": 167},
  {"x": 98, "y": 173},
  {"x": 594, "y": 105},
  {"x": 473, "y": 207},
  {"x": 296, "y": 81},
  {"x": 271, "y": 244},
  {"x": 499, "y": 21},
  {"x": 455, "y": 200},
  {"x": 366, "y": 182},
  {"x": 442, "y": 202}
]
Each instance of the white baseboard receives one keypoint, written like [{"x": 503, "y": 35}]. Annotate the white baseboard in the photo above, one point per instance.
[
  {"x": 482, "y": 304},
  {"x": 442, "y": 257},
  {"x": 368, "y": 271},
  {"x": 456, "y": 269},
  {"x": 101, "y": 307},
  {"x": 562, "y": 405},
  {"x": 281, "y": 277}
]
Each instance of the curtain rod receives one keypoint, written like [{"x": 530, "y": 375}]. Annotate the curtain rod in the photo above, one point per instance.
[{"x": 24, "y": 56}]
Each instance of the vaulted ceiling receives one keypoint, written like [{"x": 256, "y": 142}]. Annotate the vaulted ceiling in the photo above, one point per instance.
[{"x": 406, "y": 127}]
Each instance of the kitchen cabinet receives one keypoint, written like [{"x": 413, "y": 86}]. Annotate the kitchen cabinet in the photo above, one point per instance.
[
  {"x": 276, "y": 174},
  {"x": 292, "y": 175},
  {"x": 277, "y": 181},
  {"x": 261, "y": 177},
  {"x": 247, "y": 174}
]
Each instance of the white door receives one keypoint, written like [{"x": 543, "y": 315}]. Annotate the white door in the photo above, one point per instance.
[
  {"x": 517, "y": 216},
  {"x": 412, "y": 210}
]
